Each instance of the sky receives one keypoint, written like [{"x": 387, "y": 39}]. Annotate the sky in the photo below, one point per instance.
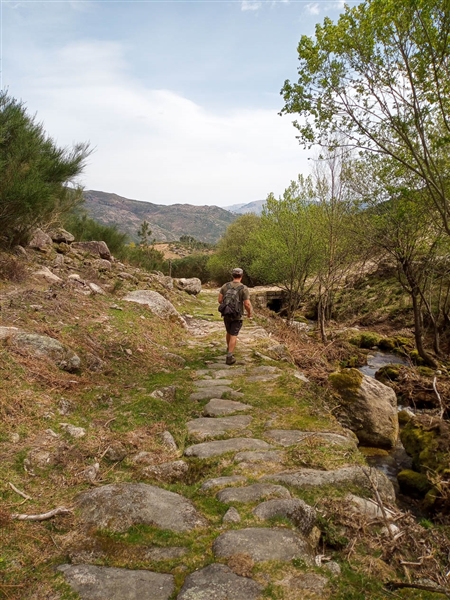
[{"x": 178, "y": 99}]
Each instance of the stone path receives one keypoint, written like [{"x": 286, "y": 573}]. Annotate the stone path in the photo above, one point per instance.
[{"x": 283, "y": 525}]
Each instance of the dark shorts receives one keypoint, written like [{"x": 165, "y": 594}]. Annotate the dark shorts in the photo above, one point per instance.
[{"x": 232, "y": 326}]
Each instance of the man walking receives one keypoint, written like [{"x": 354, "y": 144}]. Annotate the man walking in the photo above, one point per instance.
[{"x": 234, "y": 297}]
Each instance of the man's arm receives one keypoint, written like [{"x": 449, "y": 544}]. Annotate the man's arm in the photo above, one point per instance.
[
  {"x": 220, "y": 298},
  {"x": 248, "y": 308}
]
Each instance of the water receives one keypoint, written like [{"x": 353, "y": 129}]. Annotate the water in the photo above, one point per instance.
[{"x": 380, "y": 359}]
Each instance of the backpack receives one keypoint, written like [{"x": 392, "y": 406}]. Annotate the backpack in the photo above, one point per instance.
[{"x": 231, "y": 304}]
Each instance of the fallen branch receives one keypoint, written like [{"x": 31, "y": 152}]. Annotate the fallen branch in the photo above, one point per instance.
[
  {"x": 441, "y": 406},
  {"x": 61, "y": 510},
  {"x": 13, "y": 487},
  {"x": 380, "y": 504},
  {"x": 395, "y": 585}
]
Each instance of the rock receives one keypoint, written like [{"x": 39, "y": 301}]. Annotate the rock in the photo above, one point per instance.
[
  {"x": 117, "y": 507},
  {"x": 73, "y": 431},
  {"x": 94, "y": 363},
  {"x": 413, "y": 484},
  {"x": 169, "y": 441},
  {"x": 40, "y": 240},
  {"x": 207, "y": 427},
  {"x": 177, "y": 360},
  {"x": 164, "y": 280},
  {"x": 95, "y": 248},
  {"x": 60, "y": 235},
  {"x": 262, "y": 544},
  {"x": 212, "y": 383},
  {"x": 116, "y": 452},
  {"x": 365, "y": 507},
  {"x": 96, "y": 289},
  {"x": 252, "y": 493},
  {"x": 47, "y": 347},
  {"x": 101, "y": 583},
  {"x": 368, "y": 407},
  {"x": 301, "y": 376},
  {"x": 216, "y": 448},
  {"x": 333, "y": 567},
  {"x": 222, "y": 481},
  {"x": 157, "y": 304},
  {"x": 168, "y": 472},
  {"x": 289, "y": 437},
  {"x": 310, "y": 478},
  {"x": 192, "y": 285},
  {"x": 231, "y": 516},
  {"x": 219, "y": 582},
  {"x": 215, "y": 391},
  {"x": 255, "y": 457},
  {"x": 102, "y": 265},
  {"x": 8, "y": 332},
  {"x": 217, "y": 407},
  {"x": 298, "y": 512},
  {"x": 167, "y": 394},
  {"x": 46, "y": 274}
]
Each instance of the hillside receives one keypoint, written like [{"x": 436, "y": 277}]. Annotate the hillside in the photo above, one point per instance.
[
  {"x": 249, "y": 207},
  {"x": 168, "y": 223}
]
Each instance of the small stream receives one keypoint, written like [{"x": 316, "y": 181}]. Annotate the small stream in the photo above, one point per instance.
[{"x": 393, "y": 461}]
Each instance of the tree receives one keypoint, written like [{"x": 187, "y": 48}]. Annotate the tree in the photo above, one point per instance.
[
  {"x": 36, "y": 177},
  {"x": 286, "y": 243},
  {"x": 144, "y": 234},
  {"x": 336, "y": 243},
  {"x": 380, "y": 77},
  {"x": 235, "y": 249}
]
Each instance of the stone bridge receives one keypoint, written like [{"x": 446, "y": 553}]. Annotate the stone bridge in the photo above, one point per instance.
[{"x": 268, "y": 297}]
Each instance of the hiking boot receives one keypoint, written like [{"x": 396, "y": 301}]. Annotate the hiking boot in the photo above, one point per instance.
[{"x": 230, "y": 360}]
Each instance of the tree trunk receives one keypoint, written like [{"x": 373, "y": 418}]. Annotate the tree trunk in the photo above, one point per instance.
[{"x": 418, "y": 333}]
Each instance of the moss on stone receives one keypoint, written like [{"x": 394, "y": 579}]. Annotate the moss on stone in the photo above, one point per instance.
[
  {"x": 413, "y": 484},
  {"x": 420, "y": 444},
  {"x": 365, "y": 340},
  {"x": 425, "y": 371},
  {"x": 404, "y": 417},
  {"x": 414, "y": 356},
  {"x": 348, "y": 380},
  {"x": 388, "y": 373}
]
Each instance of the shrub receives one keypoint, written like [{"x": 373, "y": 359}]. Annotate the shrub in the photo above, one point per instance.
[
  {"x": 85, "y": 229},
  {"x": 35, "y": 175},
  {"x": 11, "y": 269},
  {"x": 195, "y": 265}
]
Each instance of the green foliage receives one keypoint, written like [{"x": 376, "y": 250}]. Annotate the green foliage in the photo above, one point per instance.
[
  {"x": 379, "y": 77},
  {"x": 144, "y": 233},
  {"x": 285, "y": 244},
  {"x": 195, "y": 265},
  {"x": 235, "y": 249},
  {"x": 192, "y": 243},
  {"x": 147, "y": 258},
  {"x": 85, "y": 229},
  {"x": 35, "y": 174}
]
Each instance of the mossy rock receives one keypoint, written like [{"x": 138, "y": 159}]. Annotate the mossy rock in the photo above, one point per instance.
[
  {"x": 404, "y": 417},
  {"x": 388, "y": 373},
  {"x": 365, "y": 340},
  {"x": 416, "y": 359},
  {"x": 420, "y": 444},
  {"x": 426, "y": 371},
  {"x": 413, "y": 484},
  {"x": 348, "y": 380}
]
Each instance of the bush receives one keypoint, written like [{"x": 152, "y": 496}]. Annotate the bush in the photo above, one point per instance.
[
  {"x": 35, "y": 175},
  {"x": 195, "y": 265},
  {"x": 11, "y": 269},
  {"x": 85, "y": 229},
  {"x": 145, "y": 258}
]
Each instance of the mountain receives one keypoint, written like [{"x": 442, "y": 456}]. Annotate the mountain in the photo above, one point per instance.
[
  {"x": 251, "y": 207},
  {"x": 167, "y": 223}
]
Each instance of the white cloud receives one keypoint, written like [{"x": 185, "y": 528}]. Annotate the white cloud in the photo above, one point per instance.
[
  {"x": 313, "y": 8},
  {"x": 250, "y": 5},
  {"x": 157, "y": 145}
]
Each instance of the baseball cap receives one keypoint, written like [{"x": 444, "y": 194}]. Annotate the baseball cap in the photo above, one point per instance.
[{"x": 237, "y": 271}]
